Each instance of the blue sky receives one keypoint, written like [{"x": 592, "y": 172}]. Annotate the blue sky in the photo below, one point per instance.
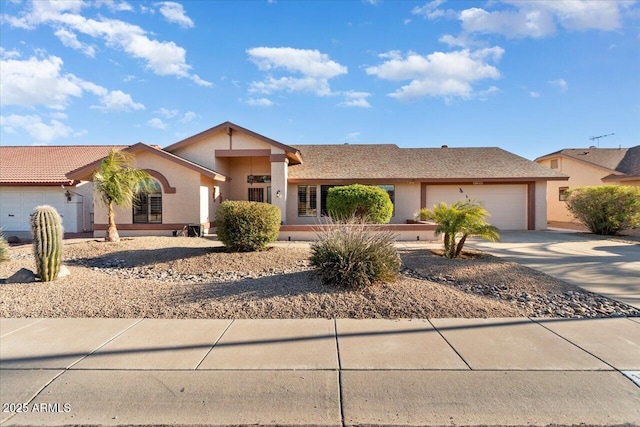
[{"x": 531, "y": 77}]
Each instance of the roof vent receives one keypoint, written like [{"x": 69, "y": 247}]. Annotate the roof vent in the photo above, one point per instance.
[{"x": 445, "y": 146}]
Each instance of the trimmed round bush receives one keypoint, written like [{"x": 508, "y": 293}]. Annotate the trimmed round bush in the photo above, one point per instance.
[
  {"x": 247, "y": 226},
  {"x": 361, "y": 202},
  {"x": 606, "y": 209},
  {"x": 353, "y": 256}
]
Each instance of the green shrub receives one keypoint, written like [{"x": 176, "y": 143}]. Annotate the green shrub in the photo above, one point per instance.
[
  {"x": 4, "y": 249},
  {"x": 247, "y": 226},
  {"x": 606, "y": 209},
  {"x": 351, "y": 256},
  {"x": 423, "y": 214},
  {"x": 364, "y": 202},
  {"x": 46, "y": 231}
]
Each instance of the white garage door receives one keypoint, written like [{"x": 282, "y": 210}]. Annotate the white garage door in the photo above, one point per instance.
[
  {"x": 507, "y": 204},
  {"x": 16, "y": 206}
]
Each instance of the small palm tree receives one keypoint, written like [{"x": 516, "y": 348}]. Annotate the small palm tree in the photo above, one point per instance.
[
  {"x": 459, "y": 221},
  {"x": 116, "y": 183}
]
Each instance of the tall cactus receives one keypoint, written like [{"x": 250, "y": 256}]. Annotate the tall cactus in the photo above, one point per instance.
[{"x": 46, "y": 230}]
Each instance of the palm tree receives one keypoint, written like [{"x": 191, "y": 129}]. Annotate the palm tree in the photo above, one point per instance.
[
  {"x": 116, "y": 183},
  {"x": 459, "y": 221}
]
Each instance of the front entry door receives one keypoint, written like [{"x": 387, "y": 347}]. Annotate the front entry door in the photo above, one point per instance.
[{"x": 260, "y": 194}]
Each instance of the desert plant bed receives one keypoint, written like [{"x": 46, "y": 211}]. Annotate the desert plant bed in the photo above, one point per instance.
[{"x": 182, "y": 277}]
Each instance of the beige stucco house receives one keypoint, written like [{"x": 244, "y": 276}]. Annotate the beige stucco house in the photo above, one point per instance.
[
  {"x": 588, "y": 167},
  {"x": 228, "y": 162}
]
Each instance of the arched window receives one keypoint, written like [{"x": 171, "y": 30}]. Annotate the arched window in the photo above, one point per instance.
[{"x": 147, "y": 205}]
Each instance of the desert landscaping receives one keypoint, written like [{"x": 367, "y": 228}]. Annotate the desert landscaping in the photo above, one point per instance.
[{"x": 181, "y": 277}]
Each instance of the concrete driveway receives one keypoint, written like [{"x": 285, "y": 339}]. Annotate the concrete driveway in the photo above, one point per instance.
[{"x": 605, "y": 266}]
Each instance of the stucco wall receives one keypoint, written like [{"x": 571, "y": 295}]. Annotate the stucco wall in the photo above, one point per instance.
[
  {"x": 240, "y": 168},
  {"x": 580, "y": 175},
  {"x": 202, "y": 151},
  {"x": 182, "y": 207},
  {"x": 541, "y": 205}
]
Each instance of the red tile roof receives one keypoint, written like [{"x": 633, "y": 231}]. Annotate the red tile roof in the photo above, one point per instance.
[{"x": 47, "y": 165}]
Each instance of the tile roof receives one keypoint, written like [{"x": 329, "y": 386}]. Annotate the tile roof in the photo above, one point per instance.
[
  {"x": 388, "y": 161},
  {"x": 47, "y": 164},
  {"x": 86, "y": 171}
]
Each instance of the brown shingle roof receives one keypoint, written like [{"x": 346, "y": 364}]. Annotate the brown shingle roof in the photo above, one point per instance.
[
  {"x": 389, "y": 161},
  {"x": 47, "y": 165},
  {"x": 620, "y": 161}
]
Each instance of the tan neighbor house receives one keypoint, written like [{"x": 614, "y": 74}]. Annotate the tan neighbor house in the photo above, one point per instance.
[
  {"x": 588, "y": 167},
  {"x": 228, "y": 162}
]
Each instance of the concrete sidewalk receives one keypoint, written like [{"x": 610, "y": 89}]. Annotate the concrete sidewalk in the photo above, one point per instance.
[
  {"x": 598, "y": 264},
  {"x": 514, "y": 371}
]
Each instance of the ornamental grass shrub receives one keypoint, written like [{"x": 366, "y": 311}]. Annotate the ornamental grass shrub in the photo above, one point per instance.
[
  {"x": 4, "y": 249},
  {"x": 351, "y": 255},
  {"x": 606, "y": 209},
  {"x": 364, "y": 202},
  {"x": 247, "y": 226}
]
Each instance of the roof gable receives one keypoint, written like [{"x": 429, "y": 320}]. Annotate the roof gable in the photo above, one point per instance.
[
  {"x": 292, "y": 153},
  {"x": 47, "y": 165},
  {"x": 86, "y": 172}
]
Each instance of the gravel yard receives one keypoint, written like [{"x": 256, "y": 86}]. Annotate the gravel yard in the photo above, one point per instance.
[{"x": 176, "y": 277}]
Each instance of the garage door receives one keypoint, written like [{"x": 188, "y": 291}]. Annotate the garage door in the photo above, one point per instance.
[
  {"x": 507, "y": 204},
  {"x": 16, "y": 206}
]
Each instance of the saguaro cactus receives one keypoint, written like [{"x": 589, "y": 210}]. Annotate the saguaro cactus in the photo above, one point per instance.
[{"x": 46, "y": 230}]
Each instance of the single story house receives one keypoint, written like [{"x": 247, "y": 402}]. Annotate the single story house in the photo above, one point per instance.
[
  {"x": 588, "y": 167},
  {"x": 228, "y": 162}
]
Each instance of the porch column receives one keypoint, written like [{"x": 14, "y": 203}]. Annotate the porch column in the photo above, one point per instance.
[{"x": 279, "y": 178}]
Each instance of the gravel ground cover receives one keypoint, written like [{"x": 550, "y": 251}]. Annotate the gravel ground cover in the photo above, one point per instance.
[{"x": 175, "y": 277}]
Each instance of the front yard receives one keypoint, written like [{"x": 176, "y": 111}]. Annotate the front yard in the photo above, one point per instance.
[{"x": 175, "y": 277}]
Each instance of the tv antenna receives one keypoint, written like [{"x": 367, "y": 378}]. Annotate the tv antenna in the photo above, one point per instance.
[{"x": 597, "y": 138}]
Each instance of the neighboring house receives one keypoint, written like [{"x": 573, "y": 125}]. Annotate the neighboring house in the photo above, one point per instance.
[
  {"x": 588, "y": 167},
  {"x": 228, "y": 162},
  {"x": 32, "y": 176}
]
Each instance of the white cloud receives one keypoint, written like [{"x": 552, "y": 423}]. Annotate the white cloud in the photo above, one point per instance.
[
  {"x": 69, "y": 39},
  {"x": 440, "y": 74},
  {"x": 534, "y": 94},
  {"x": 356, "y": 99},
  {"x": 113, "y": 6},
  {"x": 431, "y": 10},
  {"x": 189, "y": 116},
  {"x": 9, "y": 54},
  {"x": 560, "y": 84},
  {"x": 168, "y": 113},
  {"x": 312, "y": 70},
  {"x": 156, "y": 123},
  {"x": 174, "y": 13},
  {"x": 352, "y": 137},
  {"x": 539, "y": 19},
  {"x": 39, "y": 131},
  {"x": 259, "y": 102},
  {"x": 116, "y": 100},
  {"x": 162, "y": 58},
  {"x": 522, "y": 23},
  {"x": 34, "y": 82}
]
